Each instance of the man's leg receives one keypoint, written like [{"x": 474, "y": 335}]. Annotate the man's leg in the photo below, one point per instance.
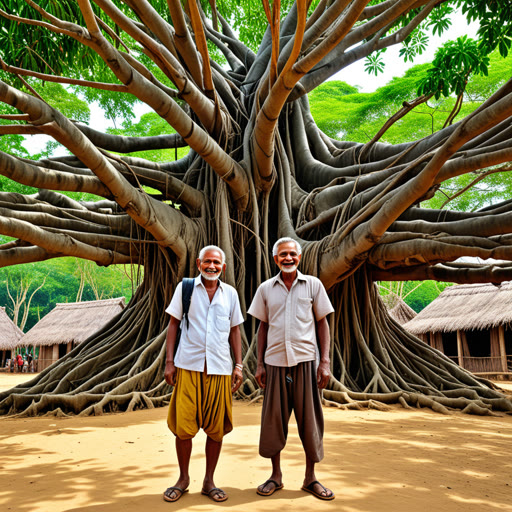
[
  {"x": 312, "y": 485},
  {"x": 217, "y": 421},
  {"x": 310, "y": 424},
  {"x": 181, "y": 420},
  {"x": 275, "y": 415},
  {"x": 212, "y": 451},
  {"x": 276, "y": 478},
  {"x": 183, "y": 452}
]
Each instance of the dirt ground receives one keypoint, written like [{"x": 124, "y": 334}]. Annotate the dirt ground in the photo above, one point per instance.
[{"x": 394, "y": 461}]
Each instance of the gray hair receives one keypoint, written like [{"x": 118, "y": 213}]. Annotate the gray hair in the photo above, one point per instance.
[
  {"x": 203, "y": 251},
  {"x": 285, "y": 240}
]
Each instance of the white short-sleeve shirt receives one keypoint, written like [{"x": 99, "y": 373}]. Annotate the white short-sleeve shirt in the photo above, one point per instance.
[
  {"x": 207, "y": 336},
  {"x": 291, "y": 316}
]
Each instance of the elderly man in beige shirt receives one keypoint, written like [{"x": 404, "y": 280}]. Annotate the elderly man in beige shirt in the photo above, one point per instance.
[{"x": 292, "y": 309}]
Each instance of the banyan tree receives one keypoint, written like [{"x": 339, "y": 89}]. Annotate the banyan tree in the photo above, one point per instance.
[{"x": 257, "y": 168}]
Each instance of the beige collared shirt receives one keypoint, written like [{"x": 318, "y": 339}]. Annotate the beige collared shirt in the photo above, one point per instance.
[{"x": 291, "y": 317}]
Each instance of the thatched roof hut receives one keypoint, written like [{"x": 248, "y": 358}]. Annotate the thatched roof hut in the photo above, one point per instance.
[
  {"x": 69, "y": 324},
  {"x": 466, "y": 307},
  {"x": 471, "y": 323},
  {"x": 10, "y": 335},
  {"x": 402, "y": 312}
]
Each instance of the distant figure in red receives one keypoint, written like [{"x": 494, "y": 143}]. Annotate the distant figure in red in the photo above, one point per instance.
[{"x": 20, "y": 362}]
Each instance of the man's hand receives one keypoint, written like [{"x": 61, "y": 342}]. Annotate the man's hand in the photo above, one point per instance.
[
  {"x": 170, "y": 373},
  {"x": 323, "y": 374},
  {"x": 236, "y": 379},
  {"x": 261, "y": 376}
]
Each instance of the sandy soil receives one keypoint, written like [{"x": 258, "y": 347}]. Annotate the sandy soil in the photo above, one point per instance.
[{"x": 395, "y": 461}]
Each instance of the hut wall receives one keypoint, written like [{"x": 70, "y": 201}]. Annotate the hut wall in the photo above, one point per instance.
[
  {"x": 48, "y": 354},
  {"x": 502, "y": 349},
  {"x": 423, "y": 337},
  {"x": 436, "y": 341}
]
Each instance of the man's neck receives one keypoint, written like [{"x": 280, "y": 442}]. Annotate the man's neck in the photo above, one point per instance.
[
  {"x": 288, "y": 277},
  {"x": 210, "y": 285}
]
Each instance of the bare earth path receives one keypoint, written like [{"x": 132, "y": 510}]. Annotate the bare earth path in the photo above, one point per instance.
[{"x": 392, "y": 461}]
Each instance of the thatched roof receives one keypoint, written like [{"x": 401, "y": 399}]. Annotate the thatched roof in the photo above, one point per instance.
[
  {"x": 465, "y": 307},
  {"x": 73, "y": 322},
  {"x": 402, "y": 312},
  {"x": 10, "y": 333}
]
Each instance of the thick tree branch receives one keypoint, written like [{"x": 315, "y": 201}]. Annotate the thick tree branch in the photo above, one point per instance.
[
  {"x": 59, "y": 244},
  {"x": 20, "y": 255},
  {"x": 446, "y": 273},
  {"x": 38, "y": 177},
  {"x": 339, "y": 58},
  {"x": 137, "y": 204},
  {"x": 184, "y": 42},
  {"x": 434, "y": 250},
  {"x": 124, "y": 144},
  {"x": 188, "y": 91}
]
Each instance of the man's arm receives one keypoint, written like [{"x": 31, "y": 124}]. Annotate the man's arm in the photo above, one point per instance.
[
  {"x": 324, "y": 344},
  {"x": 261, "y": 373},
  {"x": 170, "y": 342},
  {"x": 235, "y": 341}
]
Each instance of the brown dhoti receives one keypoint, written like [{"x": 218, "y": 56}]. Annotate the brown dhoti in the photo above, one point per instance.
[{"x": 281, "y": 397}]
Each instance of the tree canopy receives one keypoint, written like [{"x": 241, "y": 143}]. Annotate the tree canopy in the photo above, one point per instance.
[{"x": 255, "y": 166}]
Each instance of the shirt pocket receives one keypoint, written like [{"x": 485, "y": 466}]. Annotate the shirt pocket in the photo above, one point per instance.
[
  {"x": 223, "y": 324},
  {"x": 304, "y": 309}
]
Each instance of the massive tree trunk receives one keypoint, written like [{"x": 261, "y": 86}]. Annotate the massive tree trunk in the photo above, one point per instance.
[{"x": 258, "y": 168}]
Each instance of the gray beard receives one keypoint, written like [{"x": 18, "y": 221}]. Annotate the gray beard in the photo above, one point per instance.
[{"x": 288, "y": 270}]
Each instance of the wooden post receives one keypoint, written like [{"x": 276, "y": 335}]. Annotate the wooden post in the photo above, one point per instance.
[
  {"x": 55, "y": 353},
  {"x": 459, "y": 349},
  {"x": 503, "y": 352}
]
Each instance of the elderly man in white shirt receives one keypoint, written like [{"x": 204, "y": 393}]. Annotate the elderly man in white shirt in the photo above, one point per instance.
[
  {"x": 292, "y": 309},
  {"x": 202, "y": 371}
]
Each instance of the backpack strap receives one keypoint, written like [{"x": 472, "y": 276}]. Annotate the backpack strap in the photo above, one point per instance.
[{"x": 187, "y": 287}]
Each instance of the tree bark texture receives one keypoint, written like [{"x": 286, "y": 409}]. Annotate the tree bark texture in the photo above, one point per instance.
[{"x": 258, "y": 169}]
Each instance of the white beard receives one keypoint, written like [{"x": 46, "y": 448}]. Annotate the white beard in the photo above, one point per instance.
[
  {"x": 288, "y": 270},
  {"x": 210, "y": 277}
]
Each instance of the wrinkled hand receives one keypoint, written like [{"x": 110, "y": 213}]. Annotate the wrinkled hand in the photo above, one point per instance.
[
  {"x": 170, "y": 373},
  {"x": 261, "y": 376},
  {"x": 236, "y": 379},
  {"x": 323, "y": 374}
]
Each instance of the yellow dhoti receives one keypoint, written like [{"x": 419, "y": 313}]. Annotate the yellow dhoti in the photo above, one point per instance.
[{"x": 201, "y": 401}]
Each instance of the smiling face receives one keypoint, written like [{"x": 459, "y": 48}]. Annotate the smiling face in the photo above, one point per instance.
[
  {"x": 211, "y": 267},
  {"x": 287, "y": 258}
]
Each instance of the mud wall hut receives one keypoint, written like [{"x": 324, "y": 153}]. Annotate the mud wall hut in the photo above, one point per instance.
[
  {"x": 472, "y": 324},
  {"x": 69, "y": 324},
  {"x": 10, "y": 335}
]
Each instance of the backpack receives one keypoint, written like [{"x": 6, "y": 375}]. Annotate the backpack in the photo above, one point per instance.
[{"x": 187, "y": 288}]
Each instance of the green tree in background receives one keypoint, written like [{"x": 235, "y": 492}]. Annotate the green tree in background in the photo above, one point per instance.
[{"x": 63, "y": 282}]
